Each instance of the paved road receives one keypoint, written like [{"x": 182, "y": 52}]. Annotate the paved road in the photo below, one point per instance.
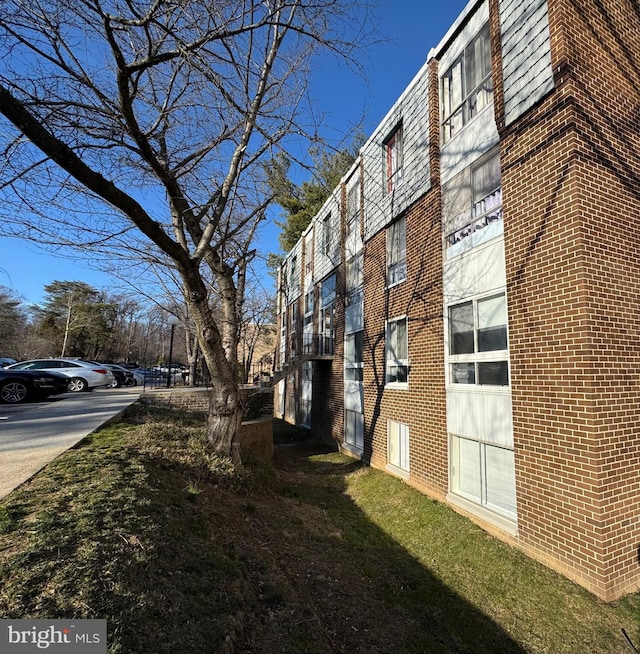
[{"x": 33, "y": 434}]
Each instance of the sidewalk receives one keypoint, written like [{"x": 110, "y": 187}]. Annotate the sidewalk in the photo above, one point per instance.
[{"x": 36, "y": 435}]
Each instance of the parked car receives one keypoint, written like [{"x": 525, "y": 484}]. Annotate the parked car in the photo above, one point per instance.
[
  {"x": 6, "y": 361},
  {"x": 23, "y": 385},
  {"x": 123, "y": 377},
  {"x": 83, "y": 375}
]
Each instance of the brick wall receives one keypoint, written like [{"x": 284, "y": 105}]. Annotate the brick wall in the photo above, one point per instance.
[
  {"x": 256, "y": 435},
  {"x": 572, "y": 212},
  {"x": 256, "y": 404},
  {"x": 571, "y": 200},
  {"x": 422, "y": 405}
]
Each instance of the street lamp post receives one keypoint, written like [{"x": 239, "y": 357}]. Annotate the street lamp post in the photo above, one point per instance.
[{"x": 173, "y": 321}]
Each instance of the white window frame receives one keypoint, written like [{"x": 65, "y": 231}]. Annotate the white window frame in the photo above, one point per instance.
[
  {"x": 468, "y": 369},
  {"x": 469, "y": 204},
  {"x": 353, "y": 205},
  {"x": 475, "y": 486},
  {"x": 397, "y": 252},
  {"x": 393, "y": 160},
  {"x": 326, "y": 314},
  {"x": 327, "y": 238},
  {"x": 308, "y": 306},
  {"x": 354, "y": 430},
  {"x": 393, "y": 362},
  {"x": 398, "y": 448},
  {"x": 354, "y": 356},
  {"x": 294, "y": 278},
  {"x": 467, "y": 85},
  {"x": 354, "y": 273}
]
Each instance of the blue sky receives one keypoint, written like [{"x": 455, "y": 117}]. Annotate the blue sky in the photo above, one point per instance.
[{"x": 409, "y": 29}]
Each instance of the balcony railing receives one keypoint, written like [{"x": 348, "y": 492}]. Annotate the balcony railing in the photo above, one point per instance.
[{"x": 317, "y": 344}]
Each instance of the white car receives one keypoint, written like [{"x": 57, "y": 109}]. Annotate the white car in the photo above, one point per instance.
[{"x": 83, "y": 375}]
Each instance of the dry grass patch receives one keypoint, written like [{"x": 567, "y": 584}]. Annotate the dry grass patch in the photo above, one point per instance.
[{"x": 183, "y": 552}]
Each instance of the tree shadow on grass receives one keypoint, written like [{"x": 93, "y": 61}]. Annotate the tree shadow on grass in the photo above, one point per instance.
[
  {"x": 343, "y": 584},
  {"x": 281, "y": 562}
]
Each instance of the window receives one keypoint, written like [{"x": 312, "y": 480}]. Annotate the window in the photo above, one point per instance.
[
  {"x": 484, "y": 474},
  {"x": 293, "y": 324},
  {"x": 308, "y": 307},
  {"x": 478, "y": 342},
  {"x": 397, "y": 252},
  {"x": 307, "y": 323},
  {"x": 354, "y": 429},
  {"x": 398, "y": 445},
  {"x": 293, "y": 274},
  {"x": 327, "y": 298},
  {"x": 328, "y": 291},
  {"x": 467, "y": 86},
  {"x": 327, "y": 238},
  {"x": 353, "y": 207},
  {"x": 354, "y": 273},
  {"x": 397, "y": 364},
  {"x": 393, "y": 160},
  {"x": 473, "y": 199},
  {"x": 354, "y": 356},
  {"x": 308, "y": 254}
]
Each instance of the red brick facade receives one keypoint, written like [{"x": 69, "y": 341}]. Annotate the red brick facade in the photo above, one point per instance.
[{"x": 570, "y": 175}]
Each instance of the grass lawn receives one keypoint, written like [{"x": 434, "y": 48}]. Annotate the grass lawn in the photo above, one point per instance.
[{"x": 183, "y": 553}]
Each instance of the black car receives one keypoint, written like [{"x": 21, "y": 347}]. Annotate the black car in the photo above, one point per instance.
[
  {"x": 121, "y": 376},
  {"x": 22, "y": 385}
]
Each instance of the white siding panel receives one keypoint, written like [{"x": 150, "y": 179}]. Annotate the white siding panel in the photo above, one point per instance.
[
  {"x": 411, "y": 110},
  {"x": 353, "y": 396},
  {"x": 479, "y": 18},
  {"x": 476, "y": 272},
  {"x": 484, "y": 416},
  {"x": 526, "y": 55},
  {"x": 474, "y": 140},
  {"x": 293, "y": 284},
  {"x": 323, "y": 264}
]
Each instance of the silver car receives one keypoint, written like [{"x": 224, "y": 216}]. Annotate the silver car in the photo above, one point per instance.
[{"x": 83, "y": 375}]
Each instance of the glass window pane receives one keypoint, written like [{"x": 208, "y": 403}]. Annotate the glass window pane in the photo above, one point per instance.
[
  {"x": 494, "y": 338},
  {"x": 492, "y": 324},
  {"x": 456, "y": 202},
  {"x": 359, "y": 347},
  {"x": 461, "y": 329},
  {"x": 463, "y": 373},
  {"x": 492, "y": 311},
  {"x": 455, "y": 88},
  {"x": 493, "y": 373},
  {"x": 401, "y": 336},
  {"x": 328, "y": 290},
  {"x": 486, "y": 178},
  {"x": 466, "y": 468},
  {"x": 500, "y": 481},
  {"x": 353, "y": 374}
]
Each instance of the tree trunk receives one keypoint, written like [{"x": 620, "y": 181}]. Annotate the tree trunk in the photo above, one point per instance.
[
  {"x": 220, "y": 355},
  {"x": 224, "y": 421}
]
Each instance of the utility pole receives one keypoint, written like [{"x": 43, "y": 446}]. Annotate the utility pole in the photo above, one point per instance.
[{"x": 66, "y": 327}]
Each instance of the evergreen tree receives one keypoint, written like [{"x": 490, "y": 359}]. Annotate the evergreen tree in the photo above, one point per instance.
[{"x": 300, "y": 203}]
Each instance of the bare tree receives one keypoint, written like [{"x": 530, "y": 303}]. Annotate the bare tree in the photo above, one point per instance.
[
  {"x": 256, "y": 332},
  {"x": 142, "y": 126}
]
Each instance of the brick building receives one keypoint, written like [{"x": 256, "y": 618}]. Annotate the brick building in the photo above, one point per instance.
[{"x": 464, "y": 311}]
